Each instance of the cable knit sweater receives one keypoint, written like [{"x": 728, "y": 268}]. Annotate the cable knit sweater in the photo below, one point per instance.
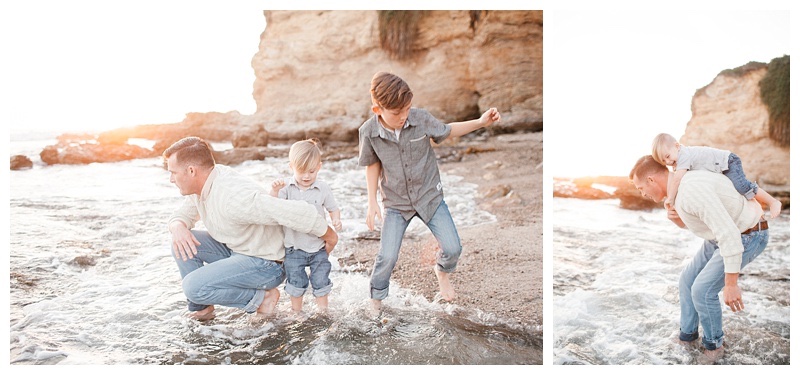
[
  {"x": 712, "y": 209},
  {"x": 239, "y": 212}
]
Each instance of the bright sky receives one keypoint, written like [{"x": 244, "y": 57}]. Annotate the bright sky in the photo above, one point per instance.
[
  {"x": 616, "y": 78},
  {"x": 75, "y": 66}
]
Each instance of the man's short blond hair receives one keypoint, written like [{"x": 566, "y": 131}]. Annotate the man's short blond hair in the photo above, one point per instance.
[
  {"x": 191, "y": 151},
  {"x": 661, "y": 142},
  {"x": 646, "y": 166},
  {"x": 305, "y": 155}
]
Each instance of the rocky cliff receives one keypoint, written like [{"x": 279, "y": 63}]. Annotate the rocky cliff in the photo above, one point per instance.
[
  {"x": 313, "y": 69},
  {"x": 729, "y": 113}
]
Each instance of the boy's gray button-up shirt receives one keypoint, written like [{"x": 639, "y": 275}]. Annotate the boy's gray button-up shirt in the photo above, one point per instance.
[{"x": 409, "y": 181}]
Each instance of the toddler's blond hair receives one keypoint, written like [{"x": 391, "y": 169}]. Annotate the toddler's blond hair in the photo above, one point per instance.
[
  {"x": 305, "y": 155},
  {"x": 661, "y": 142}
]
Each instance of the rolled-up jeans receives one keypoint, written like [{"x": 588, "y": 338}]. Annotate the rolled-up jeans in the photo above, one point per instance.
[
  {"x": 394, "y": 227},
  {"x": 700, "y": 284},
  {"x": 218, "y": 276},
  {"x": 735, "y": 173}
]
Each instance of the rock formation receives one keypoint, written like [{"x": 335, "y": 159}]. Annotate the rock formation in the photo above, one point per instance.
[
  {"x": 313, "y": 69},
  {"x": 20, "y": 162},
  {"x": 729, "y": 113}
]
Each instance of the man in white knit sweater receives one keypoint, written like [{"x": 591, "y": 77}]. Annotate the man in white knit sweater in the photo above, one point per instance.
[
  {"x": 710, "y": 207},
  {"x": 236, "y": 261}
]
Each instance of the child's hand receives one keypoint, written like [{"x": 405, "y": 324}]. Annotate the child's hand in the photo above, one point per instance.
[
  {"x": 372, "y": 211},
  {"x": 337, "y": 224},
  {"x": 277, "y": 185},
  {"x": 490, "y": 117},
  {"x": 667, "y": 204}
]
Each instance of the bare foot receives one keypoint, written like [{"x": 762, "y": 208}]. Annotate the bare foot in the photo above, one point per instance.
[
  {"x": 687, "y": 345},
  {"x": 709, "y": 357},
  {"x": 271, "y": 298},
  {"x": 374, "y": 309},
  {"x": 775, "y": 209},
  {"x": 445, "y": 289},
  {"x": 204, "y": 314}
]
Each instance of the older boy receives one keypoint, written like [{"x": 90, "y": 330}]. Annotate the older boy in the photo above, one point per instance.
[{"x": 395, "y": 148}]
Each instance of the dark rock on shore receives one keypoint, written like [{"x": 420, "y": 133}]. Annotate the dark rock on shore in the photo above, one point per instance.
[
  {"x": 585, "y": 188},
  {"x": 20, "y": 162},
  {"x": 85, "y": 153},
  {"x": 629, "y": 197}
]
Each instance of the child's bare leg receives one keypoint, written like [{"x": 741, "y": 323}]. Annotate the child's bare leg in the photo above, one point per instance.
[
  {"x": 445, "y": 289},
  {"x": 766, "y": 199},
  {"x": 297, "y": 303},
  {"x": 322, "y": 303},
  {"x": 271, "y": 298}
]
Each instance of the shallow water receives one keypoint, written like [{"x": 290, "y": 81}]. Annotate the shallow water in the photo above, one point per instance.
[
  {"x": 93, "y": 282},
  {"x": 615, "y": 295}
]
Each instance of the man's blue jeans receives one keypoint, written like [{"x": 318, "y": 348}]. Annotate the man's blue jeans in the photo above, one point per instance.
[
  {"x": 700, "y": 284},
  {"x": 218, "y": 276},
  {"x": 394, "y": 227}
]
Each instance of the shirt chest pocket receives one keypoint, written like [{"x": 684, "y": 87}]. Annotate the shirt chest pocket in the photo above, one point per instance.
[{"x": 419, "y": 147}]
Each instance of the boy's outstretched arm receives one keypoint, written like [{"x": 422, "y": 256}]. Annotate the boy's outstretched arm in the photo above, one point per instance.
[
  {"x": 489, "y": 117},
  {"x": 373, "y": 172}
]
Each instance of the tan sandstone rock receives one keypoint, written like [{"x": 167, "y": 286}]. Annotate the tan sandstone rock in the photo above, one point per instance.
[
  {"x": 729, "y": 114},
  {"x": 313, "y": 69}
]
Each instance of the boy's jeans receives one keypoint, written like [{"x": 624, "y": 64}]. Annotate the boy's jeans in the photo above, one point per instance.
[
  {"x": 297, "y": 279},
  {"x": 394, "y": 227},
  {"x": 736, "y": 174},
  {"x": 700, "y": 284},
  {"x": 218, "y": 276}
]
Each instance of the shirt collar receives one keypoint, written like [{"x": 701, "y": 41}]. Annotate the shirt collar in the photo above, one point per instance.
[
  {"x": 209, "y": 182},
  {"x": 381, "y": 130},
  {"x": 292, "y": 181}
]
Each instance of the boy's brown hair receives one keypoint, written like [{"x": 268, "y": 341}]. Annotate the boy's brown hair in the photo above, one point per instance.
[
  {"x": 390, "y": 91},
  {"x": 305, "y": 155}
]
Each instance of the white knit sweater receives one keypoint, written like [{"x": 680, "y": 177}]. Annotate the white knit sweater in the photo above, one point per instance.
[
  {"x": 239, "y": 212},
  {"x": 711, "y": 208}
]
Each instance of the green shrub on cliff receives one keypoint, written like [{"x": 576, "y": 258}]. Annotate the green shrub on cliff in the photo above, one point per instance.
[{"x": 775, "y": 94}]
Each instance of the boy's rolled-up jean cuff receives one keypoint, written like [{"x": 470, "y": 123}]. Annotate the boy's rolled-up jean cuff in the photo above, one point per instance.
[
  {"x": 378, "y": 294},
  {"x": 299, "y": 292}
]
